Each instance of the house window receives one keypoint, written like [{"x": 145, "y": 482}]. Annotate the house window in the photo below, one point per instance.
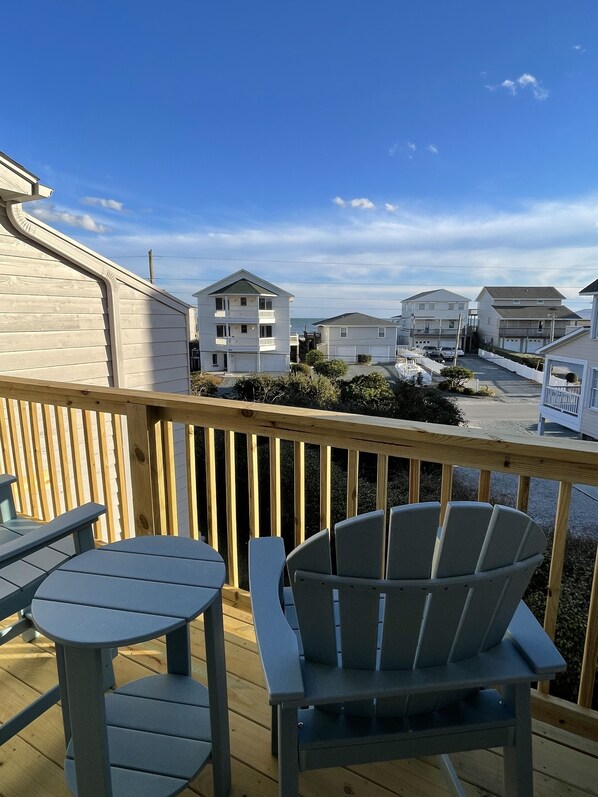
[
  {"x": 451, "y": 306},
  {"x": 421, "y": 306},
  {"x": 344, "y": 332},
  {"x": 451, "y": 324},
  {"x": 381, "y": 332},
  {"x": 243, "y": 301},
  {"x": 243, "y": 329},
  {"x": 220, "y": 303},
  {"x": 539, "y": 301},
  {"x": 432, "y": 306},
  {"x": 461, "y": 306},
  {"x": 265, "y": 304},
  {"x": 214, "y": 359},
  {"x": 594, "y": 389},
  {"x": 265, "y": 330},
  {"x": 516, "y": 301},
  {"x": 220, "y": 330}
]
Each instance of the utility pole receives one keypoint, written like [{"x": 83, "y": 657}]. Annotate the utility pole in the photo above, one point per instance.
[
  {"x": 457, "y": 338},
  {"x": 150, "y": 256}
]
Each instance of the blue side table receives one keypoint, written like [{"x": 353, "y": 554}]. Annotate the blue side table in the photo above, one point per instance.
[{"x": 152, "y": 736}]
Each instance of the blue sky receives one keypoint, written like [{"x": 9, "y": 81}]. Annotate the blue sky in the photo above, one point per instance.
[{"x": 354, "y": 153}]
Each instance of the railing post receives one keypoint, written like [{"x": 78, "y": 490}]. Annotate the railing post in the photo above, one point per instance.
[{"x": 140, "y": 434}]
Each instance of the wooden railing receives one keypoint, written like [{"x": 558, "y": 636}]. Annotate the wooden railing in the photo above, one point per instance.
[{"x": 68, "y": 443}]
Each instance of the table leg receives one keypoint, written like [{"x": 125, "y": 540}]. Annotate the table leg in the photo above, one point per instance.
[
  {"x": 178, "y": 651},
  {"x": 64, "y": 696},
  {"x": 216, "y": 667},
  {"x": 87, "y": 713}
]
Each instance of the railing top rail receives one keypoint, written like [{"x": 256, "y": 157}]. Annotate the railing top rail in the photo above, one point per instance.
[{"x": 567, "y": 460}]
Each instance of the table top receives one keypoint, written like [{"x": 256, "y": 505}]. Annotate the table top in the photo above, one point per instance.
[{"x": 128, "y": 591}]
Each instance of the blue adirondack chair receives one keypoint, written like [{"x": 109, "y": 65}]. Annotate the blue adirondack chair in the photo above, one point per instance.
[
  {"x": 392, "y": 646},
  {"x": 28, "y": 552}
]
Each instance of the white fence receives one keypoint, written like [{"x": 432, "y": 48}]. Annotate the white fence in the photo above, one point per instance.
[{"x": 522, "y": 370}]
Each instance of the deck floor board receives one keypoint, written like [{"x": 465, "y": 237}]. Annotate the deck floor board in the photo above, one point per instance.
[{"x": 31, "y": 763}]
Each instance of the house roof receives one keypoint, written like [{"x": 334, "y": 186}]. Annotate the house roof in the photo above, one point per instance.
[
  {"x": 243, "y": 287},
  {"x": 354, "y": 320},
  {"x": 443, "y": 295},
  {"x": 535, "y": 311},
  {"x": 521, "y": 292},
  {"x": 264, "y": 288},
  {"x": 564, "y": 341},
  {"x": 591, "y": 288}
]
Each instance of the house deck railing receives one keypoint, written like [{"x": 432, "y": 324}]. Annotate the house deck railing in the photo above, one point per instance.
[
  {"x": 565, "y": 399},
  {"x": 69, "y": 443}
]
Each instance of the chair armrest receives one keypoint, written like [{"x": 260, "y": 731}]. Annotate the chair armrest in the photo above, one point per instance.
[
  {"x": 77, "y": 522},
  {"x": 533, "y": 643},
  {"x": 276, "y": 640},
  {"x": 7, "y": 506}
]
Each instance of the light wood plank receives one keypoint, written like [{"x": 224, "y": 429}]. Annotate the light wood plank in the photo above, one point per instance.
[
  {"x": 382, "y": 482},
  {"x": 231, "y": 509},
  {"x": 65, "y": 467},
  {"x": 253, "y": 486},
  {"x": 121, "y": 475},
  {"x": 49, "y": 438},
  {"x": 73, "y": 424},
  {"x": 212, "y": 507},
  {"x": 191, "y": 481},
  {"x": 484, "y": 486},
  {"x": 523, "y": 488},
  {"x": 139, "y": 428},
  {"x": 23, "y": 500},
  {"x": 28, "y": 455},
  {"x": 414, "y": 480},
  {"x": 172, "y": 520},
  {"x": 107, "y": 491},
  {"x": 275, "y": 499},
  {"x": 352, "y": 482},
  {"x": 325, "y": 486}
]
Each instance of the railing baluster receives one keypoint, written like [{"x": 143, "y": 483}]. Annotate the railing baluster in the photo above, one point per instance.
[
  {"x": 556, "y": 564},
  {"x": 65, "y": 470},
  {"x": 33, "y": 488},
  {"x": 415, "y": 469},
  {"x": 382, "y": 482},
  {"x": 325, "y": 498},
  {"x": 52, "y": 461},
  {"x": 105, "y": 474},
  {"x": 7, "y": 461},
  {"x": 231, "y": 509},
  {"x": 92, "y": 466},
  {"x": 121, "y": 477},
  {"x": 76, "y": 455},
  {"x": 212, "y": 507},
  {"x": 523, "y": 487},
  {"x": 484, "y": 485},
  {"x": 590, "y": 651},
  {"x": 191, "y": 481},
  {"x": 253, "y": 486},
  {"x": 352, "y": 482},
  {"x": 39, "y": 461},
  {"x": 172, "y": 521},
  {"x": 446, "y": 487},
  {"x": 275, "y": 501},
  {"x": 157, "y": 471},
  {"x": 24, "y": 505},
  {"x": 299, "y": 492}
]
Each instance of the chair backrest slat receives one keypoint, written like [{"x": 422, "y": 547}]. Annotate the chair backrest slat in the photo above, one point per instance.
[
  {"x": 315, "y": 608},
  {"x": 445, "y": 594}
]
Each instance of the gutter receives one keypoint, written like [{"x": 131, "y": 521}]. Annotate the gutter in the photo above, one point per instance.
[{"x": 44, "y": 236}]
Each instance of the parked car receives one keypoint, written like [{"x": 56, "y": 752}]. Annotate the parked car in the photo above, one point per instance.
[
  {"x": 449, "y": 351},
  {"x": 411, "y": 372}
]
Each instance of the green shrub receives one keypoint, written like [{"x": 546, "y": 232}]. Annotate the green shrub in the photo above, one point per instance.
[
  {"x": 314, "y": 356},
  {"x": 444, "y": 385},
  {"x": 364, "y": 359},
  {"x": 367, "y": 394},
  {"x": 264, "y": 388},
  {"x": 468, "y": 391},
  {"x": 531, "y": 360},
  {"x": 456, "y": 376},
  {"x": 485, "y": 391},
  {"x": 203, "y": 384},
  {"x": 300, "y": 368},
  {"x": 333, "y": 369}
]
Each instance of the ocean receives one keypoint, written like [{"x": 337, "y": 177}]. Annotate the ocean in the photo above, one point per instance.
[{"x": 299, "y": 325}]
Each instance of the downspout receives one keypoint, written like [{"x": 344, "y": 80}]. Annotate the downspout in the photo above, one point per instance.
[{"x": 30, "y": 230}]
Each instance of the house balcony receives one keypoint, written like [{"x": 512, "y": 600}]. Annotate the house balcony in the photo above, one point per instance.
[
  {"x": 68, "y": 443},
  {"x": 246, "y": 315},
  {"x": 239, "y": 343},
  {"x": 562, "y": 405}
]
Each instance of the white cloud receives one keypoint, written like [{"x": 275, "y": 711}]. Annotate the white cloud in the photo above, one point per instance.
[
  {"x": 109, "y": 204},
  {"x": 391, "y": 208},
  {"x": 579, "y": 48},
  {"x": 391, "y": 255},
  {"x": 432, "y": 148},
  {"x": 83, "y": 221},
  {"x": 339, "y": 201},
  {"x": 411, "y": 146},
  {"x": 362, "y": 202},
  {"x": 523, "y": 82}
]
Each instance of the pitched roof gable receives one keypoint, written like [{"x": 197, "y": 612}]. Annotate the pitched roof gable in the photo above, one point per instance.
[
  {"x": 522, "y": 292},
  {"x": 354, "y": 320}
]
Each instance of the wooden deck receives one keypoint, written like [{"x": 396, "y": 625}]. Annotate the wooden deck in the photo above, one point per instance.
[{"x": 31, "y": 763}]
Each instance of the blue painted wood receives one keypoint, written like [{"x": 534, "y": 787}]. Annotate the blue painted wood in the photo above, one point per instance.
[
  {"x": 449, "y": 621},
  {"x": 158, "y": 733},
  {"x": 28, "y": 552}
]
